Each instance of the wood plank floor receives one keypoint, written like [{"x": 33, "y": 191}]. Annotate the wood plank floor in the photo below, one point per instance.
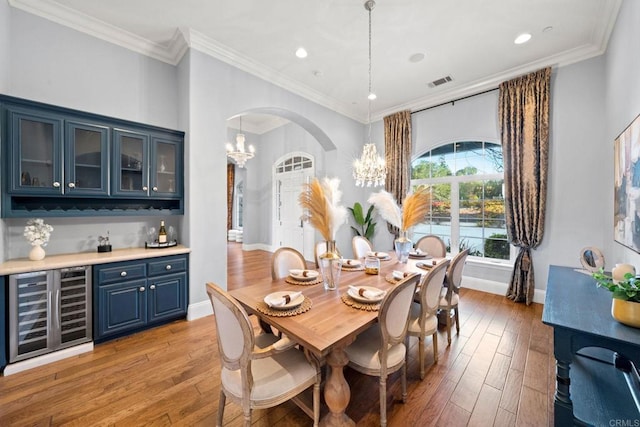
[{"x": 499, "y": 371}]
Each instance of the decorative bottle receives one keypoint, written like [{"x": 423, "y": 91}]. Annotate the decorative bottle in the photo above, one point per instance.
[
  {"x": 403, "y": 246},
  {"x": 330, "y": 266},
  {"x": 162, "y": 233}
]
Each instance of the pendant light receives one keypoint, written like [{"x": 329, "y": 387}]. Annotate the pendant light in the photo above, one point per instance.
[
  {"x": 369, "y": 169},
  {"x": 239, "y": 154}
]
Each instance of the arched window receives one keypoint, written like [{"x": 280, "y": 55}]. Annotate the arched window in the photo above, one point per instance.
[{"x": 467, "y": 207}]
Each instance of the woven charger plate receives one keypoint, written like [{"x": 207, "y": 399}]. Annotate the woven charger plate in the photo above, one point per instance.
[
  {"x": 359, "y": 268},
  {"x": 389, "y": 278},
  {"x": 262, "y": 307},
  {"x": 359, "y": 305},
  {"x": 293, "y": 281}
]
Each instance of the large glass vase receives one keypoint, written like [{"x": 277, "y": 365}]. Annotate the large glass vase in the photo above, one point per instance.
[
  {"x": 403, "y": 246},
  {"x": 331, "y": 266}
]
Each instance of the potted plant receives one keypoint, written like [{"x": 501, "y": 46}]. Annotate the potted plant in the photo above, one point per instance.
[
  {"x": 625, "y": 304},
  {"x": 367, "y": 226}
]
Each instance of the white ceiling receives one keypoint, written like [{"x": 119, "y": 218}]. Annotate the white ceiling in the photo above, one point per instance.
[{"x": 469, "y": 40}]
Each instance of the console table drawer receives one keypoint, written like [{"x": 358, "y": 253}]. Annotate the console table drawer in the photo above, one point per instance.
[
  {"x": 122, "y": 272},
  {"x": 173, "y": 264}
]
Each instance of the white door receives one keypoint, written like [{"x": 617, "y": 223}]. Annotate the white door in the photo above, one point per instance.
[{"x": 290, "y": 174}]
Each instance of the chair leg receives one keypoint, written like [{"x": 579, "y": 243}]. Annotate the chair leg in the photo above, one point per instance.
[
  {"x": 449, "y": 326},
  {"x": 455, "y": 310},
  {"x": 221, "y": 403},
  {"x": 434, "y": 338},
  {"x": 404, "y": 383},
  {"x": 421, "y": 355},
  {"x": 316, "y": 402},
  {"x": 383, "y": 401}
]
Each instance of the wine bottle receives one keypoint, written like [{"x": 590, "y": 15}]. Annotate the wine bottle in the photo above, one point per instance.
[{"x": 162, "y": 233}]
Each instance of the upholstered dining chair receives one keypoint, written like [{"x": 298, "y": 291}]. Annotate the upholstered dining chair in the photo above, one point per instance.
[
  {"x": 423, "y": 319},
  {"x": 285, "y": 259},
  {"x": 361, "y": 246},
  {"x": 380, "y": 350},
  {"x": 433, "y": 245},
  {"x": 319, "y": 249},
  {"x": 257, "y": 372},
  {"x": 451, "y": 298}
]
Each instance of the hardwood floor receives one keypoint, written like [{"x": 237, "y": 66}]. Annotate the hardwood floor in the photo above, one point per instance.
[{"x": 499, "y": 371}]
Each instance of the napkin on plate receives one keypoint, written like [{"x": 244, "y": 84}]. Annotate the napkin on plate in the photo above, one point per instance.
[
  {"x": 378, "y": 254},
  {"x": 303, "y": 273},
  {"x": 351, "y": 263},
  {"x": 399, "y": 275},
  {"x": 367, "y": 293},
  {"x": 278, "y": 301}
]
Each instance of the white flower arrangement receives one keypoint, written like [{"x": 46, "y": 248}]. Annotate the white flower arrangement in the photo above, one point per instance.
[{"x": 37, "y": 232}]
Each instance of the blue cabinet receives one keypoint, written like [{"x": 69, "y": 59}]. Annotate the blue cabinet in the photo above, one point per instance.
[
  {"x": 62, "y": 162},
  {"x": 134, "y": 295}
]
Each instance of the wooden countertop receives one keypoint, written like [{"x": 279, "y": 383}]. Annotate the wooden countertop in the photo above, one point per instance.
[{"x": 25, "y": 265}]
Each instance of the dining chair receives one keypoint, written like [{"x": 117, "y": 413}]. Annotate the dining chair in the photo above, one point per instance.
[
  {"x": 433, "y": 245},
  {"x": 450, "y": 299},
  {"x": 285, "y": 259},
  {"x": 257, "y": 371},
  {"x": 361, "y": 246},
  {"x": 380, "y": 350},
  {"x": 319, "y": 249},
  {"x": 423, "y": 319}
]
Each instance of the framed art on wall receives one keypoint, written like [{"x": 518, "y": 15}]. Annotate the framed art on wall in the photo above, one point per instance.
[{"x": 626, "y": 204}]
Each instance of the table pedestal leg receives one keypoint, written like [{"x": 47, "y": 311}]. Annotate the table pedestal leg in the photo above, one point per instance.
[{"x": 336, "y": 390}]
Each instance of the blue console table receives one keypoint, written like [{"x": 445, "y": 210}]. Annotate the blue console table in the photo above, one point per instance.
[{"x": 589, "y": 389}]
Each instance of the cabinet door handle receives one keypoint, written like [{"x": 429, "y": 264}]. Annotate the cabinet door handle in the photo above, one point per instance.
[
  {"x": 72, "y": 185},
  {"x": 168, "y": 267},
  {"x": 152, "y": 287},
  {"x": 141, "y": 289},
  {"x": 56, "y": 184},
  {"x": 145, "y": 188},
  {"x": 123, "y": 274},
  {"x": 155, "y": 188}
]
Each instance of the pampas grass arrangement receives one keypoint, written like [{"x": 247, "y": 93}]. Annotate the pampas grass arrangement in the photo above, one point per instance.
[
  {"x": 322, "y": 202},
  {"x": 414, "y": 208}
]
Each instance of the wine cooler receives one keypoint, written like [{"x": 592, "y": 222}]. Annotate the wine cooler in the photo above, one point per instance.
[{"x": 48, "y": 311}]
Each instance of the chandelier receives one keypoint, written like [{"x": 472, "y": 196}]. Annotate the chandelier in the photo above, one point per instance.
[
  {"x": 239, "y": 154},
  {"x": 369, "y": 169}
]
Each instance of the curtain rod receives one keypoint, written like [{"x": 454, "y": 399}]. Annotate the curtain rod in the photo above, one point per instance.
[{"x": 452, "y": 102}]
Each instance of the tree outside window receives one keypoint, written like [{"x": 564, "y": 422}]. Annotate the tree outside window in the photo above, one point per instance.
[{"x": 467, "y": 209}]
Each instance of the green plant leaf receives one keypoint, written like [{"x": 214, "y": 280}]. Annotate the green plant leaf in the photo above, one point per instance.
[
  {"x": 355, "y": 230},
  {"x": 357, "y": 213},
  {"x": 369, "y": 213}
]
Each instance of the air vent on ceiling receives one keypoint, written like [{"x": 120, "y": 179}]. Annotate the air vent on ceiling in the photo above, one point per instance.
[{"x": 441, "y": 81}]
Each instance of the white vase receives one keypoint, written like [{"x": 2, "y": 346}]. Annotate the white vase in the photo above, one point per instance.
[
  {"x": 618, "y": 272},
  {"x": 37, "y": 253}
]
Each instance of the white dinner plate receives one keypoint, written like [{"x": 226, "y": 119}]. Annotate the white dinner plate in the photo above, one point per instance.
[
  {"x": 414, "y": 254},
  {"x": 288, "y": 306},
  {"x": 356, "y": 296},
  {"x": 351, "y": 263},
  {"x": 379, "y": 255},
  {"x": 304, "y": 275}
]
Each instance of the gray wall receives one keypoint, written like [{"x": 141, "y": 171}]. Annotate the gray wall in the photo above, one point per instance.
[{"x": 622, "y": 100}]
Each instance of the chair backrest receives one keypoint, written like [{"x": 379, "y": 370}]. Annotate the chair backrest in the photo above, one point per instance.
[
  {"x": 361, "y": 246},
  {"x": 454, "y": 272},
  {"x": 285, "y": 259},
  {"x": 394, "y": 311},
  {"x": 433, "y": 245},
  {"x": 235, "y": 333},
  {"x": 320, "y": 248},
  {"x": 431, "y": 287}
]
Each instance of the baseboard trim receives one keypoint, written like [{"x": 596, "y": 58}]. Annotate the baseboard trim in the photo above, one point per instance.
[
  {"x": 199, "y": 309},
  {"x": 497, "y": 288},
  {"x": 257, "y": 247},
  {"x": 45, "y": 359}
]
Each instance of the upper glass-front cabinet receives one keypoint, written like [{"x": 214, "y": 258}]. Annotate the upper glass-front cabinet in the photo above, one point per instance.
[
  {"x": 36, "y": 152},
  {"x": 130, "y": 163},
  {"x": 87, "y": 159},
  {"x": 165, "y": 167}
]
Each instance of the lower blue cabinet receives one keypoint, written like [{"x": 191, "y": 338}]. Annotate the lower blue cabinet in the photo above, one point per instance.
[{"x": 133, "y": 295}]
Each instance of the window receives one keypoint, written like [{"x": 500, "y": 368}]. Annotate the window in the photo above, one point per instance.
[
  {"x": 239, "y": 204},
  {"x": 467, "y": 204}
]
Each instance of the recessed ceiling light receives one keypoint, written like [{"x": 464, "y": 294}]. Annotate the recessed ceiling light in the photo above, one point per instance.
[
  {"x": 371, "y": 96},
  {"x": 301, "y": 52},
  {"x": 522, "y": 38},
  {"x": 416, "y": 57}
]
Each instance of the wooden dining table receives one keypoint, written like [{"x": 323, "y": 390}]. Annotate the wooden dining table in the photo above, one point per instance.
[{"x": 330, "y": 325}]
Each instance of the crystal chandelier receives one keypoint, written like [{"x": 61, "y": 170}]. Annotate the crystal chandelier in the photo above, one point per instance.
[
  {"x": 240, "y": 155},
  {"x": 369, "y": 169}
]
